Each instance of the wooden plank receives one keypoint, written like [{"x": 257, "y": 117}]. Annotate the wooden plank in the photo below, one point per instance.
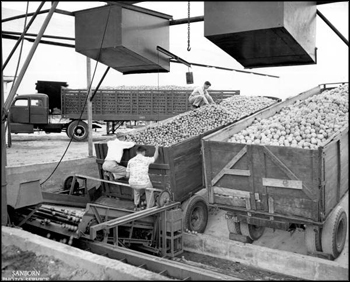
[
  {"x": 299, "y": 207},
  {"x": 287, "y": 171},
  {"x": 283, "y": 183},
  {"x": 250, "y": 163},
  {"x": 231, "y": 192},
  {"x": 229, "y": 165},
  {"x": 207, "y": 160},
  {"x": 240, "y": 172},
  {"x": 271, "y": 206},
  {"x": 229, "y": 201},
  {"x": 331, "y": 156}
]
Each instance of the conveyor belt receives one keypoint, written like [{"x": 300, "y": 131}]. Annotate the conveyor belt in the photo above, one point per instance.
[{"x": 159, "y": 265}]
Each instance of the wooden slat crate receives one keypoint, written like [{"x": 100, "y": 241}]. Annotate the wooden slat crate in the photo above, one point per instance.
[{"x": 132, "y": 104}]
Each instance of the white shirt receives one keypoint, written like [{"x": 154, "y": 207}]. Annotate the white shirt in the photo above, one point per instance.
[
  {"x": 116, "y": 149},
  {"x": 199, "y": 91},
  {"x": 138, "y": 169}
]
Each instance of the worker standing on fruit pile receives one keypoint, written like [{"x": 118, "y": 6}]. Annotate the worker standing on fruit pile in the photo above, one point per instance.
[
  {"x": 114, "y": 155},
  {"x": 200, "y": 96},
  {"x": 137, "y": 172}
]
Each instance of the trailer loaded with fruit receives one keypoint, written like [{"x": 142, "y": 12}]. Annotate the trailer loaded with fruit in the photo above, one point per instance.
[
  {"x": 285, "y": 167},
  {"x": 178, "y": 169}
]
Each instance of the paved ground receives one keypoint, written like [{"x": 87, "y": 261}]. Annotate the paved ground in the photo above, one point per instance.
[{"x": 281, "y": 240}]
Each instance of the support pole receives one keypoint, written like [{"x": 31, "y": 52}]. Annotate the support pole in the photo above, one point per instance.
[
  {"x": 29, "y": 58},
  {"x": 332, "y": 27},
  {"x": 3, "y": 156},
  {"x": 89, "y": 105},
  {"x": 22, "y": 34}
]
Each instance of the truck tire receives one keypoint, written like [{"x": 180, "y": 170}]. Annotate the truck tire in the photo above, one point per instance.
[
  {"x": 254, "y": 232},
  {"x": 312, "y": 237},
  {"x": 233, "y": 227},
  {"x": 67, "y": 132},
  {"x": 78, "y": 130},
  {"x": 196, "y": 214},
  {"x": 334, "y": 232}
]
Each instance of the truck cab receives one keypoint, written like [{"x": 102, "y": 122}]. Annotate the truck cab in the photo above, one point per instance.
[{"x": 28, "y": 111}]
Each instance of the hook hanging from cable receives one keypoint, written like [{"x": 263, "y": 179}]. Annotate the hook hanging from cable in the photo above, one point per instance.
[{"x": 188, "y": 29}]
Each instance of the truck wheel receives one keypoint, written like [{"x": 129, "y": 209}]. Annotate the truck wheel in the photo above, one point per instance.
[
  {"x": 334, "y": 232},
  {"x": 67, "y": 132},
  {"x": 254, "y": 232},
  {"x": 79, "y": 130},
  {"x": 196, "y": 214},
  {"x": 233, "y": 227},
  {"x": 312, "y": 237}
]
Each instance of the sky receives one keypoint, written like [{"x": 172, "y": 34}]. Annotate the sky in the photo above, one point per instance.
[{"x": 65, "y": 64}]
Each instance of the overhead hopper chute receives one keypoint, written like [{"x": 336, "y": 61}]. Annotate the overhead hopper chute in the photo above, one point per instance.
[
  {"x": 130, "y": 35},
  {"x": 263, "y": 34}
]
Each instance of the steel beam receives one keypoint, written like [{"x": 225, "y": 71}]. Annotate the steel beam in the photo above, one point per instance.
[
  {"x": 42, "y": 12},
  {"x": 7, "y": 36},
  {"x": 22, "y": 34},
  {"x": 35, "y": 35},
  {"x": 155, "y": 264},
  {"x": 185, "y": 20},
  {"x": 332, "y": 27},
  {"x": 131, "y": 217},
  {"x": 29, "y": 58},
  {"x": 3, "y": 155}
]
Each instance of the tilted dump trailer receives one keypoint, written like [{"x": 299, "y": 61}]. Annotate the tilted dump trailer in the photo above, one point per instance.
[
  {"x": 178, "y": 170},
  {"x": 275, "y": 186}
]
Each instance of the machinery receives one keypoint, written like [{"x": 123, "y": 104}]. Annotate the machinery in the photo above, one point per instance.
[{"x": 156, "y": 230}]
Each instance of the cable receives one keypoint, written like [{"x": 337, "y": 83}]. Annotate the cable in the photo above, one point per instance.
[
  {"x": 21, "y": 48},
  {"x": 87, "y": 97},
  {"x": 188, "y": 28}
]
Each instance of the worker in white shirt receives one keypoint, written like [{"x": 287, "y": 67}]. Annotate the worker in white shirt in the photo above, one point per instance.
[
  {"x": 114, "y": 155},
  {"x": 200, "y": 96},
  {"x": 137, "y": 172}
]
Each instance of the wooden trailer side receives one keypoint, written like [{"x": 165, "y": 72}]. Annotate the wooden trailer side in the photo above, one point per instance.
[
  {"x": 335, "y": 170},
  {"x": 278, "y": 180}
]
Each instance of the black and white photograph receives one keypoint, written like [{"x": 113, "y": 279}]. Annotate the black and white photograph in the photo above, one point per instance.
[{"x": 175, "y": 140}]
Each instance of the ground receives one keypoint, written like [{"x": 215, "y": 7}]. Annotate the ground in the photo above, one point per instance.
[
  {"x": 40, "y": 147},
  {"x": 22, "y": 265}
]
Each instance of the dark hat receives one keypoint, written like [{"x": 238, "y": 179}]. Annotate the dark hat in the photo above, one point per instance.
[
  {"x": 120, "y": 134},
  {"x": 207, "y": 83}
]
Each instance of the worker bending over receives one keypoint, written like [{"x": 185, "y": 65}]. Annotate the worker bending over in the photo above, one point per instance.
[
  {"x": 200, "y": 96},
  {"x": 114, "y": 155},
  {"x": 137, "y": 172}
]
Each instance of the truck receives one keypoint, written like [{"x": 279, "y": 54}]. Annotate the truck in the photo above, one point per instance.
[
  {"x": 280, "y": 187},
  {"x": 56, "y": 108}
]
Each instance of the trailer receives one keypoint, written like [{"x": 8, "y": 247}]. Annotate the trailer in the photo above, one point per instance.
[
  {"x": 115, "y": 106},
  {"x": 177, "y": 170},
  {"x": 56, "y": 108},
  {"x": 280, "y": 187}
]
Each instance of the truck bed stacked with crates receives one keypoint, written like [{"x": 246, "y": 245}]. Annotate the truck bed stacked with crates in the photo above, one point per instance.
[
  {"x": 285, "y": 167},
  {"x": 124, "y": 103}
]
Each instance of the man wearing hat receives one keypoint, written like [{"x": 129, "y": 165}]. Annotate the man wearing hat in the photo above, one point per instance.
[
  {"x": 114, "y": 155},
  {"x": 200, "y": 96}
]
